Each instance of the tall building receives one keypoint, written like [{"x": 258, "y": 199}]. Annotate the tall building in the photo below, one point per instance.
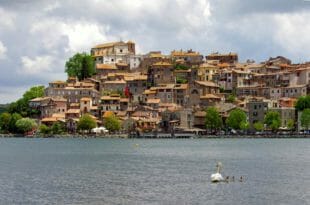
[{"x": 116, "y": 52}]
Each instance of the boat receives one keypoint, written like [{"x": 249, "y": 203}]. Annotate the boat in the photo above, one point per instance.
[{"x": 217, "y": 177}]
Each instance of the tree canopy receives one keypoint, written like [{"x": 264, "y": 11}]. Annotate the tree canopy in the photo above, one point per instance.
[
  {"x": 258, "y": 126},
  {"x": 231, "y": 98},
  {"x": 57, "y": 128},
  {"x": 302, "y": 103},
  {"x": 44, "y": 129},
  {"x": 305, "y": 118},
  {"x": 213, "y": 119},
  {"x": 236, "y": 118},
  {"x": 86, "y": 122},
  {"x": 112, "y": 124},
  {"x": 26, "y": 125},
  {"x": 273, "y": 120},
  {"x": 290, "y": 124},
  {"x": 21, "y": 106},
  {"x": 81, "y": 65},
  {"x": 5, "y": 119}
]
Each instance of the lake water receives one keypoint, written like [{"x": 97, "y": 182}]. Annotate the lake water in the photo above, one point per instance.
[{"x": 151, "y": 171}]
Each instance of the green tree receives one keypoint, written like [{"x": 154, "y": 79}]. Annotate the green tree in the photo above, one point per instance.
[
  {"x": 244, "y": 125},
  {"x": 272, "y": 119},
  {"x": 21, "y": 106},
  {"x": 12, "y": 123},
  {"x": 302, "y": 103},
  {"x": 290, "y": 124},
  {"x": 231, "y": 98},
  {"x": 112, "y": 124},
  {"x": 5, "y": 119},
  {"x": 258, "y": 126},
  {"x": 213, "y": 119},
  {"x": 305, "y": 118},
  {"x": 43, "y": 129},
  {"x": 25, "y": 125},
  {"x": 80, "y": 65},
  {"x": 236, "y": 118},
  {"x": 86, "y": 122},
  {"x": 57, "y": 128},
  {"x": 181, "y": 80}
]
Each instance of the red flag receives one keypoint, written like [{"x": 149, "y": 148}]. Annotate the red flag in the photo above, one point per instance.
[{"x": 127, "y": 92}]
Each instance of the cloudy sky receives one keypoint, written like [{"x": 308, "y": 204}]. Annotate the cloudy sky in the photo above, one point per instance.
[{"x": 37, "y": 36}]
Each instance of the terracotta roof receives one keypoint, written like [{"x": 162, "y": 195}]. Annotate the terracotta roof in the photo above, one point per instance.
[
  {"x": 58, "y": 115},
  {"x": 49, "y": 119},
  {"x": 224, "y": 65},
  {"x": 184, "y": 53},
  {"x": 181, "y": 86},
  {"x": 122, "y": 64},
  {"x": 115, "y": 82},
  {"x": 110, "y": 98},
  {"x": 136, "y": 77},
  {"x": 153, "y": 101},
  {"x": 121, "y": 113},
  {"x": 106, "y": 66},
  {"x": 224, "y": 107},
  {"x": 146, "y": 92},
  {"x": 73, "y": 111},
  {"x": 111, "y": 44},
  {"x": 156, "y": 55},
  {"x": 241, "y": 72},
  {"x": 206, "y": 65},
  {"x": 182, "y": 71},
  {"x": 207, "y": 83},
  {"x": 162, "y": 64},
  {"x": 40, "y": 99},
  {"x": 124, "y": 100},
  {"x": 209, "y": 96}
]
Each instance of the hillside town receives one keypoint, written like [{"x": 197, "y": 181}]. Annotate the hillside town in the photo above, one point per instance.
[{"x": 169, "y": 93}]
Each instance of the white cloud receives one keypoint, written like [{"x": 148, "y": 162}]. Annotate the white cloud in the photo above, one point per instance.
[
  {"x": 7, "y": 19},
  {"x": 292, "y": 33},
  {"x": 80, "y": 35},
  {"x": 36, "y": 65},
  {"x": 3, "y": 51},
  {"x": 52, "y": 6}
]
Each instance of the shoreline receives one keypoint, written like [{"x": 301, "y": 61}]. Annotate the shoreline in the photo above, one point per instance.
[{"x": 126, "y": 136}]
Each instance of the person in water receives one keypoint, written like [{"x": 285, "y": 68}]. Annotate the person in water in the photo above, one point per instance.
[
  {"x": 241, "y": 179},
  {"x": 233, "y": 178}
]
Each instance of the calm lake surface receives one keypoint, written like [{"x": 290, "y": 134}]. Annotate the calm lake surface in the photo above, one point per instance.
[{"x": 151, "y": 171}]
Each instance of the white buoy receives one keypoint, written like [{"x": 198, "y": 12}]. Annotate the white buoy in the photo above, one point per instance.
[{"x": 217, "y": 177}]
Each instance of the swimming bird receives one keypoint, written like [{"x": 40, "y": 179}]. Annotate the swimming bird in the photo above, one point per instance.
[
  {"x": 233, "y": 178},
  {"x": 217, "y": 177}
]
